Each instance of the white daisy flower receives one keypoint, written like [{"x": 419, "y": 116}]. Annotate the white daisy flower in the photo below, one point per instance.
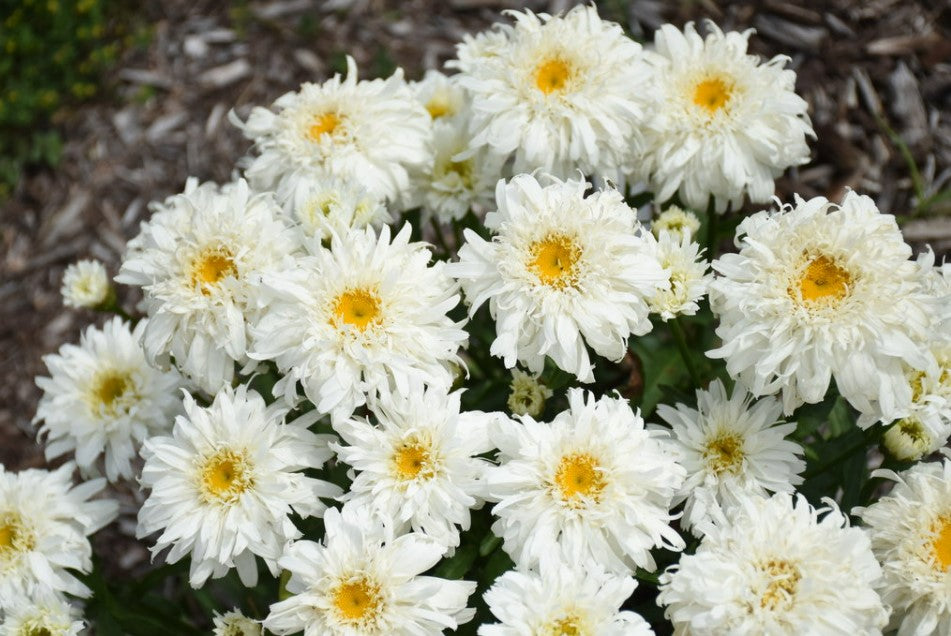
[
  {"x": 86, "y": 285},
  {"x": 418, "y": 468},
  {"x": 910, "y": 439},
  {"x": 367, "y": 132},
  {"x": 362, "y": 580},
  {"x": 559, "y": 93},
  {"x": 44, "y": 522},
  {"x": 103, "y": 399},
  {"x": 442, "y": 97},
  {"x": 777, "y": 568},
  {"x": 927, "y": 425},
  {"x": 563, "y": 270},
  {"x": 722, "y": 124},
  {"x": 593, "y": 485},
  {"x": 226, "y": 482},
  {"x": 689, "y": 279},
  {"x": 731, "y": 450},
  {"x": 197, "y": 260},
  {"x": 910, "y": 529},
  {"x": 561, "y": 598},
  {"x": 46, "y": 616},
  {"x": 321, "y": 206},
  {"x": 527, "y": 394},
  {"x": 366, "y": 316},
  {"x": 234, "y": 623},
  {"x": 817, "y": 292},
  {"x": 676, "y": 221}
]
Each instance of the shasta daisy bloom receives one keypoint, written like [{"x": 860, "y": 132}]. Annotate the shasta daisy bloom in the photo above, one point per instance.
[
  {"x": 103, "y": 399},
  {"x": 722, "y": 124},
  {"x": 676, "y": 221},
  {"x": 321, "y": 206},
  {"x": 234, "y": 623},
  {"x": 442, "y": 97},
  {"x": 224, "y": 485},
  {"x": 362, "y": 580},
  {"x": 418, "y": 468},
  {"x": 593, "y": 485},
  {"x": 689, "y": 279},
  {"x": 778, "y": 566},
  {"x": 927, "y": 425},
  {"x": 367, "y": 132},
  {"x": 820, "y": 292},
  {"x": 562, "y": 270},
  {"x": 44, "y": 522},
  {"x": 527, "y": 394},
  {"x": 45, "y": 616},
  {"x": 910, "y": 529},
  {"x": 561, "y": 598},
  {"x": 731, "y": 449},
  {"x": 366, "y": 316},
  {"x": 559, "y": 93},
  {"x": 86, "y": 285},
  {"x": 196, "y": 261}
]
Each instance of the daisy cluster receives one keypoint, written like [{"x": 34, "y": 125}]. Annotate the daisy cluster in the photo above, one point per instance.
[{"x": 425, "y": 366}]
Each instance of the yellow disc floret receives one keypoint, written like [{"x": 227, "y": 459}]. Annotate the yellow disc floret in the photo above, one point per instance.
[
  {"x": 211, "y": 266},
  {"x": 324, "y": 124},
  {"x": 724, "y": 453},
  {"x": 359, "y": 308},
  {"x": 413, "y": 459},
  {"x": 579, "y": 475},
  {"x": 782, "y": 588},
  {"x": 941, "y": 542},
  {"x": 823, "y": 281},
  {"x": 552, "y": 75},
  {"x": 554, "y": 259},
  {"x": 713, "y": 93},
  {"x": 357, "y": 601},
  {"x": 225, "y": 476}
]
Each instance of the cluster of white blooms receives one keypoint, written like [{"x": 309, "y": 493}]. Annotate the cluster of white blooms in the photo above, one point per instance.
[{"x": 310, "y": 382}]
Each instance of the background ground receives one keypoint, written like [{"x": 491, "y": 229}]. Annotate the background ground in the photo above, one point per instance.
[{"x": 877, "y": 75}]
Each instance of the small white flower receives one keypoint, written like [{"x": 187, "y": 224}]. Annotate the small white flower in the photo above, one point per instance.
[
  {"x": 363, "y": 581},
  {"x": 44, "y": 522},
  {"x": 418, "y": 468},
  {"x": 197, "y": 261},
  {"x": 776, "y": 567},
  {"x": 689, "y": 279},
  {"x": 366, "y": 316},
  {"x": 86, "y": 285},
  {"x": 593, "y": 485},
  {"x": 561, "y": 598},
  {"x": 721, "y": 123},
  {"x": 910, "y": 529},
  {"x": 559, "y": 93},
  {"x": 367, "y": 132},
  {"x": 322, "y": 206},
  {"x": 563, "y": 270},
  {"x": 45, "y": 616},
  {"x": 103, "y": 399},
  {"x": 226, "y": 482},
  {"x": 527, "y": 394},
  {"x": 442, "y": 97},
  {"x": 234, "y": 623},
  {"x": 731, "y": 450},
  {"x": 820, "y": 292},
  {"x": 676, "y": 221}
]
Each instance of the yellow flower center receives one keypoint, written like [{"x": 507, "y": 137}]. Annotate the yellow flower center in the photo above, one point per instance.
[
  {"x": 578, "y": 475},
  {"x": 552, "y": 75},
  {"x": 461, "y": 168},
  {"x": 38, "y": 630},
  {"x": 824, "y": 281},
  {"x": 439, "y": 106},
  {"x": 941, "y": 542},
  {"x": 724, "y": 453},
  {"x": 358, "y": 308},
  {"x": 15, "y": 537},
  {"x": 781, "y": 589},
  {"x": 357, "y": 601},
  {"x": 325, "y": 124},
  {"x": 413, "y": 460},
  {"x": 554, "y": 260},
  {"x": 713, "y": 94},
  {"x": 108, "y": 388},
  {"x": 917, "y": 381},
  {"x": 225, "y": 476},
  {"x": 571, "y": 625},
  {"x": 211, "y": 266}
]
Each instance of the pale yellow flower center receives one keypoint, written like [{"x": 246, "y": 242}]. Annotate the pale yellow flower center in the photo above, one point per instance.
[
  {"x": 324, "y": 124},
  {"x": 359, "y": 308},
  {"x": 552, "y": 75},
  {"x": 37, "y": 630},
  {"x": 570, "y": 625},
  {"x": 108, "y": 388},
  {"x": 357, "y": 601},
  {"x": 211, "y": 266},
  {"x": 15, "y": 537},
  {"x": 463, "y": 169},
  {"x": 917, "y": 381},
  {"x": 225, "y": 476},
  {"x": 554, "y": 260},
  {"x": 724, "y": 453},
  {"x": 781, "y": 589},
  {"x": 823, "y": 281},
  {"x": 941, "y": 542},
  {"x": 713, "y": 93},
  {"x": 413, "y": 460},
  {"x": 578, "y": 475},
  {"x": 439, "y": 106}
]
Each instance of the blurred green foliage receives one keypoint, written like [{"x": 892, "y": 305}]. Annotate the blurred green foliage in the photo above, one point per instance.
[{"x": 52, "y": 53}]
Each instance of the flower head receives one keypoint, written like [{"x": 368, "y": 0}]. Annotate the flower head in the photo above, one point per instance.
[{"x": 86, "y": 285}]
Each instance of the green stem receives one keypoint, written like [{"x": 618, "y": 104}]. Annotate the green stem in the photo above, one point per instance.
[
  {"x": 681, "y": 339},
  {"x": 713, "y": 223}
]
